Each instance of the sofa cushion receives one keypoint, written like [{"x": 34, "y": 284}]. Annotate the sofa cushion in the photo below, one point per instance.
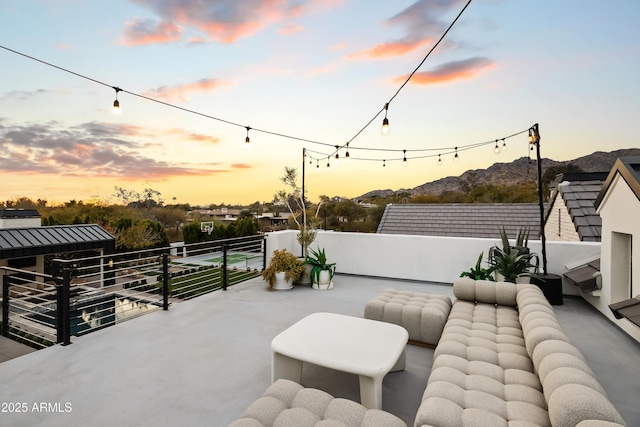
[
  {"x": 423, "y": 315},
  {"x": 482, "y": 374},
  {"x": 286, "y": 403},
  {"x": 484, "y": 291}
]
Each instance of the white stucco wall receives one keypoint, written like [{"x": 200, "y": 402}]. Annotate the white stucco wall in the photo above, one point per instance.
[
  {"x": 559, "y": 225},
  {"x": 620, "y": 213},
  {"x": 426, "y": 258}
]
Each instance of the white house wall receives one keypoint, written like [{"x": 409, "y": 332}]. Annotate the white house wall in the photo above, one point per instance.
[
  {"x": 20, "y": 222},
  {"x": 619, "y": 210},
  {"x": 559, "y": 226}
]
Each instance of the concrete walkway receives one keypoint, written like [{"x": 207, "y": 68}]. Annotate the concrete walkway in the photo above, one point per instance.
[{"x": 10, "y": 349}]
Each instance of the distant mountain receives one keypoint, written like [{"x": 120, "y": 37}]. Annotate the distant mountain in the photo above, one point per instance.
[{"x": 519, "y": 171}]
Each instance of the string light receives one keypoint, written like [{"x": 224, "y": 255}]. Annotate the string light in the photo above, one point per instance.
[
  {"x": 456, "y": 158},
  {"x": 384, "y": 163},
  {"x": 116, "y": 103},
  {"x": 317, "y": 165},
  {"x": 496, "y": 149},
  {"x": 404, "y": 160},
  {"x": 337, "y": 156},
  {"x": 504, "y": 145},
  {"x": 247, "y": 140},
  {"x": 439, "y": 160},
  {"x": 385, "y": 122},
  {"x": 328, "y": 165},
  {"x": 346, "y": 156}
]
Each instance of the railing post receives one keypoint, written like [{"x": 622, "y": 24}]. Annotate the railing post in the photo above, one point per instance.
[
  {"x": 64, "y": 311},
  {"x": 225, "y": 277},
  {"x": 5, "y": 305},
  {"x": 165, "y": 282},
  {"x": 264, "y": 253}
]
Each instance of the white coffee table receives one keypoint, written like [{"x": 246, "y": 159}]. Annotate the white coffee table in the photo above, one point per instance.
[{"x": 367, "y": 348}]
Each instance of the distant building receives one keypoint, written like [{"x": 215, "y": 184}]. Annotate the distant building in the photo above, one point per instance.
[{"x": 24, "y": 243}]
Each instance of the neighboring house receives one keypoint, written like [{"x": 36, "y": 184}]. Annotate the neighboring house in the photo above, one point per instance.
[
  {"x": 571, "y": 215},
  {"x": 483, "y": 220},
  {"x": 619, "y": 206},
  {"x": 24, "y": 243},
  {"x": 270, "y": 221}
]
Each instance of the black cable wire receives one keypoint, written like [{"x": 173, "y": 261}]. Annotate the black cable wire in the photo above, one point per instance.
[
  {"x": 412, "y": 73},
  {"x": 118, "y": 89}
]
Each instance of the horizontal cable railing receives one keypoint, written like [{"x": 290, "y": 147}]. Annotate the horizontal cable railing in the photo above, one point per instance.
[
  {"x": 91, "y": 293},
  {"x": 29, "y": 307}
]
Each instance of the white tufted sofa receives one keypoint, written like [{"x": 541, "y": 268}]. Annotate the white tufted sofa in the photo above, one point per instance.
[
  {"x": 288, "y": 404},
  {"x": 504, "y": 360}
]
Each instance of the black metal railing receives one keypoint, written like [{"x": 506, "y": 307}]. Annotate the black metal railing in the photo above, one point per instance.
[{"x": 87, "y": 294}]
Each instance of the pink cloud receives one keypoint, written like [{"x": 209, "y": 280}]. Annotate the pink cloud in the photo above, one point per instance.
[
  {"x": 223, "y": 20},
  {"x": 241, "y": 166},
  {"x": 178, "y": 92},
  {"x": 94, "y": 150},
  {"x": 195, "y": 137},
  {"x": 390, "y": 49},
  {"x": 421, "y": 22},
  {"x": 143, "y": 32},
  {"x": 290, "y": 28},
  {"x": 450, "y": 71}
]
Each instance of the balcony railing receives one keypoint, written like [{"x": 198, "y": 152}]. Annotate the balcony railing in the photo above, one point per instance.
[{"x": 86, "y": 294}]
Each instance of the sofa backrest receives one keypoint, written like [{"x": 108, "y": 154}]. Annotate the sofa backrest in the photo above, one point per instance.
[
  {"x": 484, "y": 291},
  {"x": 570, "y": 388}
]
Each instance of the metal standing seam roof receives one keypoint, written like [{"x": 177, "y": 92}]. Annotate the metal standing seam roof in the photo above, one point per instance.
[
  {"x": 31, "y": 241},
  {"x": 482, "y": 220}
]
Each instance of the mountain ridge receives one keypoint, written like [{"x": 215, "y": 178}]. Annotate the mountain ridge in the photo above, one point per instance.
[{"x": 519, "y": 171}]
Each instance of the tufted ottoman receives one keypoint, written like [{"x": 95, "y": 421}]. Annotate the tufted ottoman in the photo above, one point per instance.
[{"x": 422, "y": 315}]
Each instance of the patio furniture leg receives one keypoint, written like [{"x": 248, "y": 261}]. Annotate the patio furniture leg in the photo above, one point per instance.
[
  {"x": 401, "y": 363},
  {"x": 285, "y": 367},
  {"x": 371, "y": 392}
]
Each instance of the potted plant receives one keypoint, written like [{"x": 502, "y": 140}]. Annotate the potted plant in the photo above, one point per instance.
[
  {"x": 479, "y": 273},
  {"x": 510, "y": 264},
  {"x": 283, "y": 270},
  {"x": 321, "y": 271},
  {"x": 522, "y": 240}
]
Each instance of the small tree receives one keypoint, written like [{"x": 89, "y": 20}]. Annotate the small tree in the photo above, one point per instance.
[{"x": 294, "y": 198}]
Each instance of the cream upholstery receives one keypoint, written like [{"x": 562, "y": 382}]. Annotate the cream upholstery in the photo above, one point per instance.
[
  {"x": 422, "y": 315},
  {"x": 504, "y": 360},
  {"x": 288, "y": 404}
]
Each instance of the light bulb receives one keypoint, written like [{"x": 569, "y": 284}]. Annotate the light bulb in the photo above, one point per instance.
[
  {"x": 337, "y": 159},
  {"x": 385, "y": 127},
  {"x": 496, "y": 148},
  {"x": 504, "y": 145},
  {"x": 247, "y": 141},
  {"x": 439, "y": 160},
  {"x": 346, "y": 156},
  {"x": 116, "y": 107},
  {"x": 456, "y": 158},
  {"x": 404, "y": 160}
]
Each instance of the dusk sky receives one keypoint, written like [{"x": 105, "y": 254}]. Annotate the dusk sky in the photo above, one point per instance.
[{"x": 316, "y": 70}]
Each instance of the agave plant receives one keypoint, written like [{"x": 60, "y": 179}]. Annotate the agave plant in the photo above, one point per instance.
[
  {"x": 479, "y": 273},
  {"x": 318, "y": 261},
  {"x": 511, "y": 263}
]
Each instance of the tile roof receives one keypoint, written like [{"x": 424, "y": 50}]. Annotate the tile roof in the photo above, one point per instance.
[
  {"x": 580, "y": 198},
  {"x": 482, "y": 220}
]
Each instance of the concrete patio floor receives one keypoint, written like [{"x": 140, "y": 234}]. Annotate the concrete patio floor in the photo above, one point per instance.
[{"x": 205, "y": 360}]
